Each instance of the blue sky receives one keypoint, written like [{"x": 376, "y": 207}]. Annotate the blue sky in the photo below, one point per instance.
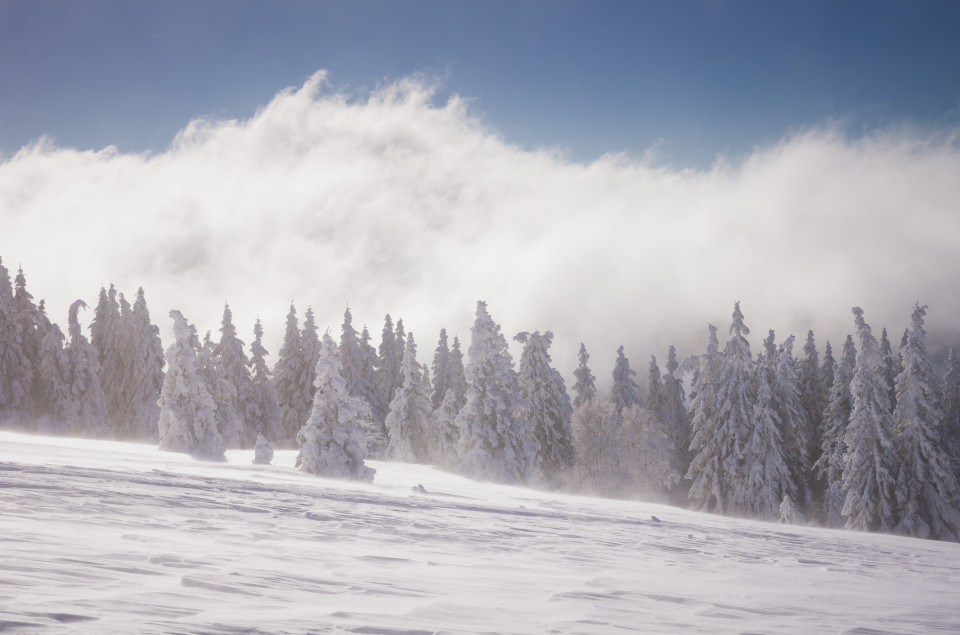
[{"x": 694, "y": 79}]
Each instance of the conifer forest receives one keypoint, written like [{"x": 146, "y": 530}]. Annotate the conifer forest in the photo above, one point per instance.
[{"x": 861, "y": 434}]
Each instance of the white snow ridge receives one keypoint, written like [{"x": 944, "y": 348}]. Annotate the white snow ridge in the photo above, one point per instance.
[{"x": 109, "y": 537}]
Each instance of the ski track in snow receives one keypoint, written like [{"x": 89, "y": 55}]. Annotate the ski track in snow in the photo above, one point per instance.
[{"x": 112, "y": 537}]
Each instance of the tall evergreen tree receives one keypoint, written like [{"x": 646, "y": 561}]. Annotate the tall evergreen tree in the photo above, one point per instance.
[
  {"x": 625, "y": 391},
  {"x": 458, "y": 378},
  {"x": 836, "y": 418},
  {"x": 359, "y": 373},
  {"x": 187, "y": 420},
  {"x": 377, "y": 438},
  {"x": 768, "y": 475},
  {"x": 27, "y": 318},
  {"x": 235, "y": 381},
  {"x": 288, "y": 378},
  {"x": 870, "y": 467},
  {"x": 309, "y": 354},
  {"x": 585, "y": 388},
  {"x": 706, "y": 469},
  {"x": 16, "y": 376},
  {"x": 106, "y": 336},
  {"x": 890, "y": 366},
  {"x": 332, "y": 443},
  {"x": 813, "y": 395},
  {"x": 657, "y": 435},
  {"x": 56, "y": 407},
  {"x": 795, "y": 432},
  {"x": 926, "y": 488},
  {"x": 950, "y": 395},
  {"x": 263, "y": 409},
  {"x": 548, "y": 405},
  {"x": 408, "y": 421},
  {"x": 441, "y": 370},
  {"x": 90, "y": 406},
  {"x": 144, "y": 378},
  {"x": 495, "y": 442},
  {"x": 674, "y": 412},
  {"x": 735, "y": 399},
  {"x": 390, "y": 356},
  {"x": 225, "y": 408}
]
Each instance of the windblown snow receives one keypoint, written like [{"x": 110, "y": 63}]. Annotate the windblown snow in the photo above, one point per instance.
[{"x": 110, "y": 537}]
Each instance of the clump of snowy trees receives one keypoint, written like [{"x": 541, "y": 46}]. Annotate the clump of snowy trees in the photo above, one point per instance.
[{"x": 867, "y": 440}]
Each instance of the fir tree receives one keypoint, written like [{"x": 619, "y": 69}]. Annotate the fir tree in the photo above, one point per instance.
[
  {"x": 187, "y": 420},
  {"x": 332, "y": 443},
  {"x": 674, "y": 412},
  {"x": 458, "y": 379},
  {"x": 16, "y": 377},
  {"x": 836, "y": 418},
  {"x": 495, "y": 443},
  {"x": 27, "y": 318},
  {"x": 706, "y": 469},
  {"x": 390, "y": 356},
  {"x": 870, "y": 468},
  {"x": 441, "y": 370},
  {"x": 288, "y": 373},
  {"x": 548, "y": 405},
  {"x": 309, "y": 354},
  {"x": 735, "y": 399},
  {"x": 890, "y": 366},
  {"x": 813, "y": 396},
  {"x": 377, "y": 438},
  {"x": 144, "y": 377},
  {"x": 768, "y": 476},
  {"x": 625, "y": 391},
  {"x": 585, "y": 388},
  {"x": 263, "y": 409},
  {"x": 443, "y": 433},
  {"x": 950, "y": 394},
  {"x": 926, "y": 488},
  {"x": 358, "y": 372},
  {"x": 236, "y": 382},
  {"x": 227, "y": 417},
  {"x": 106, "y": 336},
  {"x": 408, "y": 421},
  {"x": 56, "y": 407},
  {"x": 90, "y": 406},
  {"x": 795, "y": 432}
]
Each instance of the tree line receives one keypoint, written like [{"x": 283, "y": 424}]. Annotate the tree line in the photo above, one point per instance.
[{"x": 870, "y": 441}]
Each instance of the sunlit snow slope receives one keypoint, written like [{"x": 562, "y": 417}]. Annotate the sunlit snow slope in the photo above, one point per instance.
[{"x": 105, "y": 537}]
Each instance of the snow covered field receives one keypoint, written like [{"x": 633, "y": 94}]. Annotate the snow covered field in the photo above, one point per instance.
[{"x": 112, "y": 537}]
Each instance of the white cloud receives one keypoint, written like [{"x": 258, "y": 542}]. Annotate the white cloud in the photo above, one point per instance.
[{"x": 393, "y": 203}]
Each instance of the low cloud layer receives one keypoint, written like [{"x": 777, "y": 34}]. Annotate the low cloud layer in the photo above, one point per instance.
[{"x": 393, "y": 203}]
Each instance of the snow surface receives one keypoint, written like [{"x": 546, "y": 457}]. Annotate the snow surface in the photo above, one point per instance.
[{"x": 111, "y": 537}]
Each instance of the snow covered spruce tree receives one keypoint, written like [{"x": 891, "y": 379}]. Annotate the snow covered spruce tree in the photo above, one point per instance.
[
  {"x": 187, "y": 420},
  {"x": 288, "y": 375},
  {"x": 813, "y": 396},
  {"x": 870, "y": 466},
  {"x": 735, "y": 399},
  {"x": 705, "y": 467},
  {"x": 769, "y": 481},
  {"x": 496, "y": 443},
  {"x": 377, "y": 438},
  {"x": 926, "y": 487},
  {"x": 444, "y": 435},
  {"x": 107, "y": 336},
  {"x": 309, "y": 354},
  {"x": 585, "y": 387},
  {"x": 674, "y": 414},
  {"x": 390, "y": 357},
  {"x": 408, "y": 422},
  {"x": 143, "y": 379},
  {"x": 836, "y": 418},
  {"x": 457, "y": 379},
  {"x": 597, "y": 438},
  {"x": 332, "y": 443},
  {"x": 90, "y": 406},
  {"x": 625, "y": 391},
  {"x": 441, "y": 370},
  {"x": 359, "y": 381},
  {"x": 54, "y": 401},
  {"x": 548, "y": 405},
  {"x": 262, "y": 409},
  {"x": 26, "y": 315},
  {"x": 794, "y": 426},
  {"x": 228, "y": 418},
  {"x": 236, "y": 383},
  {"x": 16, "y": 375},
  {"x": 950, "y": 396},
  {"x": 891, "y": 366}
]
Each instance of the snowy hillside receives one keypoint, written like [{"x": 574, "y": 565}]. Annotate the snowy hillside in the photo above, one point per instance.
[{"x": 112, "y": 537}]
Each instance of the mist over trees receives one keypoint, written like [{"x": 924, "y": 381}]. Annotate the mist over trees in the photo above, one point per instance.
[{"x": 866, "y": 439}]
